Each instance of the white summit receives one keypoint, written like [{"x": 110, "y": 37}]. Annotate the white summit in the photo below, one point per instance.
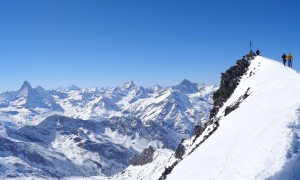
[{"x": 258, "y": 140}]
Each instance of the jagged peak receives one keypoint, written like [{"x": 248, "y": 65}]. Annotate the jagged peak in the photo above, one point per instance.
[
  {"x": 26, "y": 85},
  {"x": 156, "y": 88},
  {"x": 187, "y": 86},
  {"x": 40, "y": 90},
  {"x": 25, "y": 90},
  {"x": 186, "y": 82},
  {"x": 128, "y": 85}
]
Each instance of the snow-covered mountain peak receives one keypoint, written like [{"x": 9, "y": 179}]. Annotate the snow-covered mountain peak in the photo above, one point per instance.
[
  {"x": 28, "y": 104},
  {"x": 186, "y": 82},
  {"x": 25, "y": 89},
  {"x": 255, "y": 133},
  {"x": 128, "y": 85},
  {"x": 187, "y": 86},
  {"x": 156, "y": 88}
]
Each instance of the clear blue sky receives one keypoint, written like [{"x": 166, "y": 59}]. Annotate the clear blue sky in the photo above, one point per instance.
[{"x": 104, "y": 43}]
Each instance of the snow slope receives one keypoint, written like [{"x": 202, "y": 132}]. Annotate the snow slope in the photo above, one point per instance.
[{"x": 258, "y": 140}]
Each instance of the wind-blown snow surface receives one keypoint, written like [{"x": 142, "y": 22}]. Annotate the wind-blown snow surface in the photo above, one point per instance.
[{"x": 258, "y": 140}]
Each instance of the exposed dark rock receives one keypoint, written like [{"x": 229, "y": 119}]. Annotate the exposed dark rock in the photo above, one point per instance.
[
  {"x": 168, "y": 170},
  {"x": 12, "y": 176},
  {"x": 109, "y": 151},
  {"x": 236, "y": 104},
  {"x": 231, "y": 108},
  {"x": 251, "y": 55},
  {"x": 215, "y": 126},
  {"x": 229, "y": 81},
  {"x": 198, "y": 130},
  {"x": 77, "y": 139},
  {"x": 144, "y": 158},
  {"x": 180, "y": 150}
]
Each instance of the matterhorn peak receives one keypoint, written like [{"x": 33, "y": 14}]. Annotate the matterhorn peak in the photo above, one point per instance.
[
  {"x": 26, "y": 85},
  {"x": 25, "y": 89}
]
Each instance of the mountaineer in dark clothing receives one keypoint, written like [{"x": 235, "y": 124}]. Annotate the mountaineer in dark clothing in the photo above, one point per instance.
[
  {"x": 257, "y": 52},
  {"x": 283, "y": 58}
]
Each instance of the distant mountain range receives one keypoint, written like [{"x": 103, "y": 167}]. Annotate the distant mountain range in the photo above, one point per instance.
[{"x": 94, "y": 131}]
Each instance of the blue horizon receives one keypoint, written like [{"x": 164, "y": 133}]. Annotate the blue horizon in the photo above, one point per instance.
[{"x": 106, "y": 43}]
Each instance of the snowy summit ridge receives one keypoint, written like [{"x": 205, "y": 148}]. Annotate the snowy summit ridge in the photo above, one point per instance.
[{"x": 258, "y": 138}]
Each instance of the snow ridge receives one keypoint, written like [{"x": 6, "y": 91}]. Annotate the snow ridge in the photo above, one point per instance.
[{"x": 259, "y": 139}]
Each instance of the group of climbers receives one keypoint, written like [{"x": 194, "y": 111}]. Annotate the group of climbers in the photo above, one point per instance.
[
  {"x": 285, "y": 58},
  {"x": 288, "y": 58}
]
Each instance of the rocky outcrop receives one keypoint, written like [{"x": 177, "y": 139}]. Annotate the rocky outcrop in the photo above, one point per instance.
[
  {"x": 229, "y": 81},
  {"x": 180, "y": 150},
  {"x": 168, "y": 170},
  {"x": 198, "y": 130},
  {"x": 144, "y": 158},
  {"x": 236, "y": 104}
]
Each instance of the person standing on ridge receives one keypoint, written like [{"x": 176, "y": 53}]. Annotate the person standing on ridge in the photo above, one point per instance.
[
  {"x": 283, "y": 58},
  {"x": 257, "y": 52},
  {"x": 289, "y": 59}
]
